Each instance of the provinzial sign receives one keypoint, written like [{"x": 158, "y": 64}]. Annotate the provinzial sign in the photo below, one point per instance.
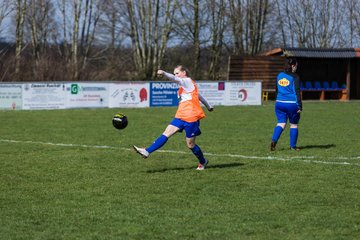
[{"x": 163, "y": 94}]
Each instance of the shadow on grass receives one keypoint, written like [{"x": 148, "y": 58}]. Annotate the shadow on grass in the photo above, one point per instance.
[
  {"x": 225, "y": 165},
  {"x": 318, "y": 146}
]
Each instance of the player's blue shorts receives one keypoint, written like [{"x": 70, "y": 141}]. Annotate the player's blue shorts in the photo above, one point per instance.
[
  {"x": 191, "y": 129},
  {"x": 285, "y": 111}
]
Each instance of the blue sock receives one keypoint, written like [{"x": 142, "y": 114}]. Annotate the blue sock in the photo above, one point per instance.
[
  {"x": 157, "y": 144},
  {"x": 293, "y": 137},
  {"x": 277, "y": 133},
  {"x": 198, "y": 153}
]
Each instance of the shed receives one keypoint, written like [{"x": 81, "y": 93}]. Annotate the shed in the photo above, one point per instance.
[{"x": 325, "y": 73}]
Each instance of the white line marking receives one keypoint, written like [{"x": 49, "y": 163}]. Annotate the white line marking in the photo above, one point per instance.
[{"x": 297, "y": 158}]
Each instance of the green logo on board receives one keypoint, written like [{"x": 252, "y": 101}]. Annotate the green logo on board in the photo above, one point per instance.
[{"x": 74, "y": 89}]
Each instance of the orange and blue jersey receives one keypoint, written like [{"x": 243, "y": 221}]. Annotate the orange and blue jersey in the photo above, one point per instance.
[{"x": 189, "y": 109}]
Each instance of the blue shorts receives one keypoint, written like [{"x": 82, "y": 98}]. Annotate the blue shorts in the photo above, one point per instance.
[
  {"x": 285, "y": 111},
  {"x": 191, "y": 129}
]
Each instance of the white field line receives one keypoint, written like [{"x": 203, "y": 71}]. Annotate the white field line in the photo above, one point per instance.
[{"x": 306, "y": 159}]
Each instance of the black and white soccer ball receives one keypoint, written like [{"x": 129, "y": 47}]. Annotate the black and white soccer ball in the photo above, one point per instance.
[{"x": 120, "y": 121}]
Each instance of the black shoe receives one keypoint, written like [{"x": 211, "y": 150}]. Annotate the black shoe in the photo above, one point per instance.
[
  {"x": 272, "y": 146},
  {"x": 295, "y": 148}
]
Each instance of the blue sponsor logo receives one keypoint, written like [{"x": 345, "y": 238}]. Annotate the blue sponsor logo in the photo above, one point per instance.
[{"x": 163, "y": 94}]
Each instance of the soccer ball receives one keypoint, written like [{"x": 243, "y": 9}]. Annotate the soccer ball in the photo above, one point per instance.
[{"x": 120, "y": 121}]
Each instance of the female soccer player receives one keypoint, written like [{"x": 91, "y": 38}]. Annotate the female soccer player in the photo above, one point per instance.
[
  {"x": 288, "y": 104},
  {"x": 186, "y": 118}
]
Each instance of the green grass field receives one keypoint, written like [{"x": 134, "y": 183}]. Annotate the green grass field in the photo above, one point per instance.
[{"x": 68, "y": 174}]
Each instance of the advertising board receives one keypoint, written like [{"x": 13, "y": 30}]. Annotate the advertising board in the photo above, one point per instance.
[
  {"x": 36, "y": 96},
  {"x": 129, "y": 95},
  {"x": 11, "y": 96},
  {"x": 163, "y": 94},
  {"x": 87, "y": 95}
]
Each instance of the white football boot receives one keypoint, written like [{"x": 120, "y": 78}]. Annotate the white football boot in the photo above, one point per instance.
[
  {"x": 202, "y": 166},
  {"x": 141, "y": 151}
]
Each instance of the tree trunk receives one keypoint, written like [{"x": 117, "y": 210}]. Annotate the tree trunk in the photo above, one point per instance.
[
  {"x": 75, "y": 39},
  {"x": 20, "y": 17},
  {"x": 148, "y": 39}
]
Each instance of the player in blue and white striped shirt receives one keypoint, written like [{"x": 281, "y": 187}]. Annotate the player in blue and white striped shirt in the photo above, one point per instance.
[{"x": 288, "y": 104}]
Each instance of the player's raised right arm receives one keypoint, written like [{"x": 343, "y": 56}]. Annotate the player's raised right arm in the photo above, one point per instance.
[
  {"x": 170, "y": 76},
  {"x": 160, "y": 72}
]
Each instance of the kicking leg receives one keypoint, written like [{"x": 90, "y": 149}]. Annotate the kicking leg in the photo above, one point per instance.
[{"x": 158, "y": 143}]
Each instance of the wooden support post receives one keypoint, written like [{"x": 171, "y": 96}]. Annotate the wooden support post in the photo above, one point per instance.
[{"x": 347, "y": 97}]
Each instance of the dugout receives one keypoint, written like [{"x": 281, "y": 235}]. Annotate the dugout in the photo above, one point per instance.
[{"x": 325, "y": 73}]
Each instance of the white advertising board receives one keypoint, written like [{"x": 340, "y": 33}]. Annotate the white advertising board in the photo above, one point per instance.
[
  {"x": 59, "y": 95},
  {"x": 10, "y": 96},
  {"x": 43, "y": 96},
  {"x": 231, "y": 93},
  {"x": 129, "y": 95},
  {"x": 213, "y": 92},
  {"x": 243, "y": 93},
  {"x": 87, "y": 95}
]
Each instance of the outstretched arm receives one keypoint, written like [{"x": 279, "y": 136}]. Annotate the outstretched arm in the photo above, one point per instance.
[
  {"x": 169, "y": 76},
  {"x": 207, "y": 105},
  {"x": 185, "y": 82}
]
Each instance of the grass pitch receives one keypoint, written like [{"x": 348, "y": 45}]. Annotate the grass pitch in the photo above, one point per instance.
[{"x": 68, "y": 174}]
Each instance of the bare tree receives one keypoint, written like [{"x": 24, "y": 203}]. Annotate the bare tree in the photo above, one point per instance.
[
  {"x": 188, "y": 25},
  {"x": 68, "y": 42},
  {"x": 256, "y": 20},
  {"x": 75, "y": 38},
  {"x": 112, "y": 34},
  {"x": 311, "y": 25},
  {"x": 20, "y": 17},
  {"x": 6, "y": 8},
  {"x": 350, "y": 30},
  {"x": 78, "y": 33},
  {"x": 129, "y": 38},
  {"x": 63, "y": 48},
  {"x": 196, "y": 38},
  {"x": 249, "y": 19},
  {"x": 150, "y": 23},
  {"x": 218, "y": 23},
  {"x": 91, "y": 18},
  {"x": 112, "y": 23},
  {"x": 236, "y": 15},
  {"x": 326, "y": 24},
  {"x": 282, "y": 8},
  {"x": 39, "y": 26},
  {"x": 299, "y": 24}
]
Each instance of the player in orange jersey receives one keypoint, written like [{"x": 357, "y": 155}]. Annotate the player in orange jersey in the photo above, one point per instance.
[{"x": 186, "y": 118}]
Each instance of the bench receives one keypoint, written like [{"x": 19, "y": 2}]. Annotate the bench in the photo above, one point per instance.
[
  {"x": 319, "y": 88},
  {"x": 323, "y": 88}
]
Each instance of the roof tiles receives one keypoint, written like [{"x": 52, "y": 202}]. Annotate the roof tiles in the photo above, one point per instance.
[{"x": 316, "y": 52}]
